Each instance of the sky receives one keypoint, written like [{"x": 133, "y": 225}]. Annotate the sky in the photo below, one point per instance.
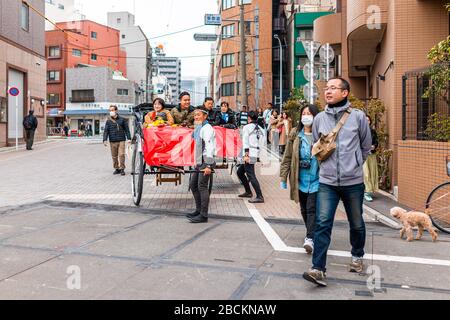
[{"x": 160, "y": 17}]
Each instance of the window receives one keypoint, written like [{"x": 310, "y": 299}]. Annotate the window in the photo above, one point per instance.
[
  {"x": 54, "y": 52},
  {"x": 76, "y": 52},
  {"x": 94, "y": 57},
  {"x": 228, "y": 60},
  {"x": 60, "y": 6},
  {"x": 122, "y": 92},
  {"x": 227, "y": 90},
  {"x": 82, "y": 96},
  {"x": 3, "y": 110},
  {"x": 228, "y": 31},
  {"x": 119, "y": 20},
  {"x": 25, "y": 17},
  {"x": 306, "y": 34},
  {"x": 53, "y": 99},
  {"x": 53, "y": 75},
  {"x": 123, "y": 36},
  {"x": 227, "y": 4},
  {"x": 94, "y": 35}
]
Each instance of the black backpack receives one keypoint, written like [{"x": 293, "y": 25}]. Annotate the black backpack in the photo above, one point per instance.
[{"x": 28, "y": 123}]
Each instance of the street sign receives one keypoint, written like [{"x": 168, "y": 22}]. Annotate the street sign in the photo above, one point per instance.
[
  {"x": 13, "y": 91},
  {"x": 213, "y": 19},
  {"x": 307, "y": 72},
  {"x": 311, "y": 48},
  {"x": 326, "y": 53},
  {"x": 307, "y": 92},
  {"x": 205, "y": 37}
]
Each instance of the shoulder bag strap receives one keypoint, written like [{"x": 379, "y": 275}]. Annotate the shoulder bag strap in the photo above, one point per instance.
[{"x": 342, "y": 121}]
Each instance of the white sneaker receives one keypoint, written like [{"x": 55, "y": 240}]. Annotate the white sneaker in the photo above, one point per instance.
[{"x": 309, "y": 245}]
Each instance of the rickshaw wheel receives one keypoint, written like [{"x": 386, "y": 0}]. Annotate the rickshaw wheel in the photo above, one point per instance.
[{"x": 137, "y": 174}]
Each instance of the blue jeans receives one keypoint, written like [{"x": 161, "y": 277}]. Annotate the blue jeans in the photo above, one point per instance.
[{"x": 327, "y": 203}]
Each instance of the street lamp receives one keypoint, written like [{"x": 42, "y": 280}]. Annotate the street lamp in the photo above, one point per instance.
[{"x": 281, "y": 73}]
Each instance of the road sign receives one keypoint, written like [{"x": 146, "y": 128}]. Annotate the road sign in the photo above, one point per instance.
[
  {"x": 326, "y": 54},
  {"x": 307, "y": 72},
  {"x": 311, "y": 48},
  {"x": 213, "y": 19},
  {"x": 13, "y": 91},
  {"x": 205, "y": 37},
  {"x": 307, "y": 92}
]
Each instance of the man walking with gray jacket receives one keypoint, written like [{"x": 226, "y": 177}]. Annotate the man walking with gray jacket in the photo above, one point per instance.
[{"x": 341, "y": 178}]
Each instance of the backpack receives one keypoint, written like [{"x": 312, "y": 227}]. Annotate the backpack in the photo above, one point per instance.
[{"x": 28, "y": 123}]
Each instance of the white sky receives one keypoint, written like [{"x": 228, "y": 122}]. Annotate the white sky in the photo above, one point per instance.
[{"x": 159, "y": 17}]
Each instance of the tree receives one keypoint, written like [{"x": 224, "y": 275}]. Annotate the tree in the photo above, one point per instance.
[{"x": 439, "y": 73}]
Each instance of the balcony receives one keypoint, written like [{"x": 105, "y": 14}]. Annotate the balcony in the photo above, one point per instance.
[
  {"x": 365, "y": 30},
  {"x": 322, "y": 31}
]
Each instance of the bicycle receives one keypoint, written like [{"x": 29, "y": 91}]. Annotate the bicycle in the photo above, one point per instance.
[{"x": 438, "y": 204}]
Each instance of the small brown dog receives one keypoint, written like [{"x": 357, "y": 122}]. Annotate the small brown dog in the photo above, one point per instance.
[{"x": 411, "y": 220}]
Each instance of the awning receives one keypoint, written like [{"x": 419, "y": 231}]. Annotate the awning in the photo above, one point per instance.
[{"x": 55, "y": 113}]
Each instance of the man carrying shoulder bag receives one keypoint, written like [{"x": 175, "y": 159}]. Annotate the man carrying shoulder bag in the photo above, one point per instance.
[{"x": 343, "y": 143}]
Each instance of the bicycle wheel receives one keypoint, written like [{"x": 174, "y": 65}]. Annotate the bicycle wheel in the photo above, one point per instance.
[
  {"x": 137, "y": 174},
  {"x": 438, "y": 205}
]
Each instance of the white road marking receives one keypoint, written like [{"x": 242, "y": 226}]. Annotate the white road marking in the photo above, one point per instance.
[{"x": 279, "y": 245}]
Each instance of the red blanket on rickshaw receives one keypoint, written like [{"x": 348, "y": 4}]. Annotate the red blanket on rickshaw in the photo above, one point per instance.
[{"x": 174, "y": 146}]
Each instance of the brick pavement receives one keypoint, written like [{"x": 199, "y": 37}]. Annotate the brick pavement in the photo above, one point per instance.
[{"x": 81, "y": 171}]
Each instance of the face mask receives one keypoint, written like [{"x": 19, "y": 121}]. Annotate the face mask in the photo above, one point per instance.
[
  {"x": 308, "y": 121},
  {"x": 112, "y": 114}
]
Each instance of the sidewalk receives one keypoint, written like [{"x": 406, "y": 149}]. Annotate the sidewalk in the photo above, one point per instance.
[{"x": 80, "y": 171}]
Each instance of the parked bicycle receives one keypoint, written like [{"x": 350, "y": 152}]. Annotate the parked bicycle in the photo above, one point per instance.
[{"x": 438, "y": 204}]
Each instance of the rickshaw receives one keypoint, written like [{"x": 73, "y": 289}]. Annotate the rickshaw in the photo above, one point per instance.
[{"x": 148, "y": 159}]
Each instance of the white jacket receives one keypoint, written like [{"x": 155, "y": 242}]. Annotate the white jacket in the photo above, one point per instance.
[
  {"x": 253, "y": 137},
  {"x": 208, "y": 147}
]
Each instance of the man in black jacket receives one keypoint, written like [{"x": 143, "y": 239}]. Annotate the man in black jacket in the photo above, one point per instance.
[
  {"x": 118, "y": 132},
  {"x": 30, "y": 125}
]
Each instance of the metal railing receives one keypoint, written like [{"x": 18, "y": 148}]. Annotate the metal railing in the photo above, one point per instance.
[{"x": 418, "y": 109}]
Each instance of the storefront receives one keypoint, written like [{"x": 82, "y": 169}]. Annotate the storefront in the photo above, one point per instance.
[{"x": 89, "y": 119}]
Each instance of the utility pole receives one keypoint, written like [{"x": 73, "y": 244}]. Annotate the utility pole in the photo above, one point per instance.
[
  {"x": 281, "y": 73},
  {"x": 243, "y": 58},
  {"x": 257, "y": 72}
]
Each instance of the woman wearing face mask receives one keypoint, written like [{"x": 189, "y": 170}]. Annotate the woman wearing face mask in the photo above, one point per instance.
[{"x": 302, "y": 170}]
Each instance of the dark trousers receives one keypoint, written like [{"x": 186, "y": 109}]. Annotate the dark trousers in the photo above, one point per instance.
[
  {"x": 308, "y": 210},
  {"x": 199, "y": 187},
  {"x": 29, "y": 138},
  {"x": 327, "y": 203},
  {"x": 246, "y": 173}
]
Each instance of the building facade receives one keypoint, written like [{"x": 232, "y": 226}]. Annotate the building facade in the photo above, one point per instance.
[
  {"x": 22, "y": 65},
  {"x": 170, "y": 67},
  {"x": 379, "y": 48},
  {"x": 84, "y": 43},
  {"x": 259, "y": 54},
  {"x": 90, "y": 93},
  {"x": 61, "y": 11},
  {"x": 139, "y": 51},
  {"x": 198, "y": 87}
]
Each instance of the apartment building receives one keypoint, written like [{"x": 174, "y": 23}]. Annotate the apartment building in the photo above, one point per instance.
[
  {"x": 84, "y": 43},
  {"x": 22, "y": 65}
]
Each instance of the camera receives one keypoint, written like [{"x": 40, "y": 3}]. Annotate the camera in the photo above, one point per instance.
[{"x": 305, "y": 164}]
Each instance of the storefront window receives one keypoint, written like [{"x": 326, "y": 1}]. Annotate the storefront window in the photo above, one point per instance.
[{"x": 3, "y": 110}]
